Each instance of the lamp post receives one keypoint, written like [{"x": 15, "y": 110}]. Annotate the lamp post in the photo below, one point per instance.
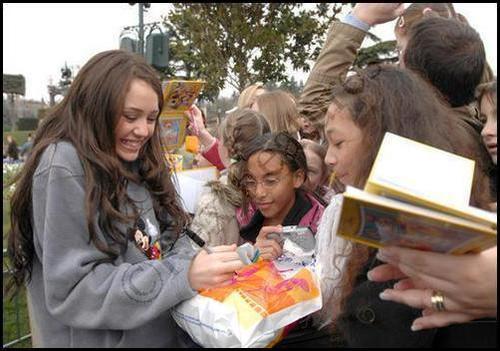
[
  {"x": 142, "y": 6},
  {"x": 155, "y": 48}
]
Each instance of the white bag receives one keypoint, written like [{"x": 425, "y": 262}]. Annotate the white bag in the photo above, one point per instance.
[{"x": 253, "y": 311}]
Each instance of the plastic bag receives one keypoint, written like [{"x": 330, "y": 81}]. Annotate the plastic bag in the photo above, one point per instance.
[{"x": 263, "y": 298}]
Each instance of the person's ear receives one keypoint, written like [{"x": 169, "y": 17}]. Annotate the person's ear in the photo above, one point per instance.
[
  {"x": 428, "y": 12},
  {"x": 401, "y": 21},
  {"x": 299, "y": 178}
]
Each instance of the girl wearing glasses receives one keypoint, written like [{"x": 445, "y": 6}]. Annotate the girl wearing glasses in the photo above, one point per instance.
[
  {"x": 274, "y": 171},
  {"x": 215, "y": 217}
]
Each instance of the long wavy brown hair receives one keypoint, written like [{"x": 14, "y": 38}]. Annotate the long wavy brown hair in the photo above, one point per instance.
[
  {"x": 384, "y": 99},
  {"x": 87, "y": 118}
]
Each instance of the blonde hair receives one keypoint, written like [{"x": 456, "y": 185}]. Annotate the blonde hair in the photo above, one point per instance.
[
  {"x": 280, "y": 111},
  {"x": 247, "y": 96}
]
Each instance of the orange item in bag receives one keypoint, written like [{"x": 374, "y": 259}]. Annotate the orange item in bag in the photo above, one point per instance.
[
  {"x": 192, "y": 144},
  {"x": 260, "y": 290}
]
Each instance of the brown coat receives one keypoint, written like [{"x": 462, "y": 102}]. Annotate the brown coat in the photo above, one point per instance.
[
  {"x": 330, "y": 69},
  {"x": 336, "y": 58}
]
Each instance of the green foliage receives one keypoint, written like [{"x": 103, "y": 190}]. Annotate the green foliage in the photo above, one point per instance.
[
  {"x": 242, "y": 43},
  {"x": 384, "y": 51},
  {"x": 290, "y": 85},
  {"x": 15, "y": 319},
  {"x": 9, "y": 172},
  {"x": 15, "y": 311},
  {"x": 27, "y": 123}
]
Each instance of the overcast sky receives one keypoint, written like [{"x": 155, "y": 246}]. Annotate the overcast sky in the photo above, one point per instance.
[{"x": 39, "y": 38}]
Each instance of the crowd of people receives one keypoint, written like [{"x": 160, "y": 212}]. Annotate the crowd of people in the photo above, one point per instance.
[
  {"x": 13, "y": 153},
  {"x": 96, "y": 179}
]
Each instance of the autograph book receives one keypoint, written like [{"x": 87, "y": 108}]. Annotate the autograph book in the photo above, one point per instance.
[
  {"x": 417, "y": 196},
  {"x": 178, "y": 96}
]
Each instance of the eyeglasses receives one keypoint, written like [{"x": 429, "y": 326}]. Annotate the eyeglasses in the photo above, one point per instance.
[{"x": 267, "y": 183}]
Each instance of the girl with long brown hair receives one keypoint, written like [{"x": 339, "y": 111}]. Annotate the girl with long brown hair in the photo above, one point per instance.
[
  {"x": 93, "y": 210},
  {"x": 375, "y": 101}
]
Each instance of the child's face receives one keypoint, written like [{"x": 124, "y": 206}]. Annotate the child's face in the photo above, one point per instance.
[
  {"x": 137, "y": 122},
  {"x": 344, "y": 144},
  {"x": 272, "y": 185},
  {"x": 316, "y": 170},
  {"x": 489, "y": 132}
]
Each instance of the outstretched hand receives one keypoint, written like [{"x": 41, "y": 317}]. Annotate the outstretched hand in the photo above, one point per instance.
[
  {"x": 377, "y": 13},
  {"x": 196, "y": 125}
]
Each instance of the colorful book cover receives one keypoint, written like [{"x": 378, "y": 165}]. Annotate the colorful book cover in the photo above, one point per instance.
[
  {"x": 378, "y": 221},
  {"x": 178, "y": 96}
]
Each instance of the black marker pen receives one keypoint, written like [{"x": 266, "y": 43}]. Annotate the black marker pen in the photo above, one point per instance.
[{"x": 199, "y": 241}]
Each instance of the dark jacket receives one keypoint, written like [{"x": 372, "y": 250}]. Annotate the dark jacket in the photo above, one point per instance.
[
  {"x": 369, "y": 321},
  {"x": 12, "y": 151}
]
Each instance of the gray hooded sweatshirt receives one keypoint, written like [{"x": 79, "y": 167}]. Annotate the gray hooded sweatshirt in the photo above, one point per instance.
[{"x": 121, "y": 304}]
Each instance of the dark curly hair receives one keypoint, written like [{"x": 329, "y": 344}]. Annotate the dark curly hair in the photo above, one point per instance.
[{"x": 281, "y": 143}]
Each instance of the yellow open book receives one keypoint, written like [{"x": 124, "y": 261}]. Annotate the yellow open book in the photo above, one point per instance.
[
  {"x": 378, "y": 221},
  {"x": 417, "y": 173},
  {"x": 417, "y": 196},
  {"x": 178, "y": 96}
]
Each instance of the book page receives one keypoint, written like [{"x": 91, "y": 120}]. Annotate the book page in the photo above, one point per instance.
[
  {"x": 423, "y": 171},
  {"x": 190, "y": 191}
]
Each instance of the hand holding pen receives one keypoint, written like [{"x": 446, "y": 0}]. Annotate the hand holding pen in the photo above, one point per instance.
[
  {"x": 197, "y": 240},
  {"x": 213, "y": 266}
]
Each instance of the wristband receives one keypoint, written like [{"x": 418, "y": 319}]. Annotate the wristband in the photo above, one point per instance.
[{"x": 352, "y": 20}]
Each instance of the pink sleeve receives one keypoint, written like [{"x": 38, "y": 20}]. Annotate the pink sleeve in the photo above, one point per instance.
[
  {"x": 244, "y": 218},
  {"x": 212, "y": 155},
  {"x": 313, "y": 216}
]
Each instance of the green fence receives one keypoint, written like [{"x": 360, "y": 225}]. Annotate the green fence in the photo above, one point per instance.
[{"x": 16, "y": 328}]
